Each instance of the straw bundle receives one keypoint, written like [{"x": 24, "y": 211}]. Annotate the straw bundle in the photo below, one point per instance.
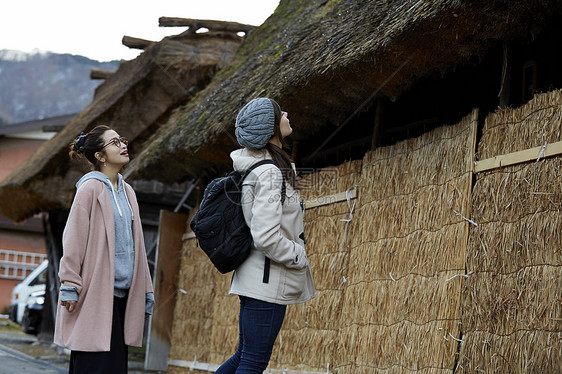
[
  {"x": 387, "y": 296},
  {"x": 512, "y": 312},
  {"x": 404, "y": 347},
  {"x": 197, "y": 332},
  {"x": 531, "y": 125},
  {"x": 401, "y": 308},
  {"x": 206, "y": 318},
  {"x": 309, "y": 337}
]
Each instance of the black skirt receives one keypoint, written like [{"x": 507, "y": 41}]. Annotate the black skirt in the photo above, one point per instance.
[{"x": 112, "y": 362}]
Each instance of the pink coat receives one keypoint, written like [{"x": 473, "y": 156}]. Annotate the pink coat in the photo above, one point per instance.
[{"x": 88, "y": 263}]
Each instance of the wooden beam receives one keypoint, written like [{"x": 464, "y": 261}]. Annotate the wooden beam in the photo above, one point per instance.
[
  {"x": 315, "y": 202},
  {"x": 136, "y": 43},
  {"x": 532, "y": 154},
  {"x": 100, "y": 74},
  {"x": 378, "y": 122},
  {"x": 505, "y": 90},
  {"x": 212, "y": 25}
]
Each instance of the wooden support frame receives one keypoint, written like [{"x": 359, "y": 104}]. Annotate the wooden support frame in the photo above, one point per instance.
[
  {"x": 532, "y": 154},
  {"x": 315, "y": 202},
  {"x": 136, "y": 43},
  {"x": 196, "y": 24},
  {"x": 100, "y": 74},
  {"x": 166, "y": 272}
]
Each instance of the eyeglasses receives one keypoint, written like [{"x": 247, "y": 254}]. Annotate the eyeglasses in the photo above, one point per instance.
[{"x": 117, "y": 142}]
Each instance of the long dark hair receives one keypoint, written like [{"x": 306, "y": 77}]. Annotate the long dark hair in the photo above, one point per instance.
[
  {"x": 279, "y": 155},
  {"x": 87, "y": 145}
]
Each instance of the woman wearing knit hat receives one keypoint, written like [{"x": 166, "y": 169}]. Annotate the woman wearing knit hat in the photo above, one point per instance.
[{"x": 276, "y": 273}]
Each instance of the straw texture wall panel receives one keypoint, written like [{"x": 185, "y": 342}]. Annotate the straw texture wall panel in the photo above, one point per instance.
[
  {"x": 204, "y": 317},
  {"x": 384, "y": 298},
  {"x": 409, "y": 285},
  {"x": 401, "y": 311},
  {"x": 512, "y": 308},
  {"x": 310, "y": 335}
]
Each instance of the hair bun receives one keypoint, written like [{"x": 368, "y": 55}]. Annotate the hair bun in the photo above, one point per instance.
[{"x": 79, "y": 143}]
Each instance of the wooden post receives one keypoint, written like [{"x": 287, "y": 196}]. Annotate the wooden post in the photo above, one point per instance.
[
  {"x": 136, "y": 43},
  {"x": 378, "y": 123},
  {"x": 196, "y": 24},
  {"x": 53, "y": 225},
  {"x": 505, "y": 89},
  {"x": 100, "y": 74},
  {"x": 166, "y": 271}
]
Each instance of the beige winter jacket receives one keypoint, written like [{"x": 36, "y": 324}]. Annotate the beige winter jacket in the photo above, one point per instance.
[
  {"x": 88, "y": 264},
  {"x": 276, "y": 230}
]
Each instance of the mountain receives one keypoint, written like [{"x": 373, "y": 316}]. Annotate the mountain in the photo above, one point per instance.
[{"x": 42, "y": 84}]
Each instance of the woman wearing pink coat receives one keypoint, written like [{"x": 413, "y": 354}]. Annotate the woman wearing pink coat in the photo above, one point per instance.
[{"x": 106, "y": 288}]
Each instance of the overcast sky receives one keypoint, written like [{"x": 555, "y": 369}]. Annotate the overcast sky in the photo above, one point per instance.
[{"x": 95, "y": 28}]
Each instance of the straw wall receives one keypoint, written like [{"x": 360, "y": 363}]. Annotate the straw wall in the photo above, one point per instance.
[
  {"x": 512, "y": 312},
  {"x": 309, "y": 338},
  {"x": 400, "y": 312},
  {"x": 200, "y": 327},
  {"x": 408, "y": 284},
  {"x": 384, "y": 301}
]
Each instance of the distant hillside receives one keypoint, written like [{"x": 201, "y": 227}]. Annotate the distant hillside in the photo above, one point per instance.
[{"x": 42, "y": 84}]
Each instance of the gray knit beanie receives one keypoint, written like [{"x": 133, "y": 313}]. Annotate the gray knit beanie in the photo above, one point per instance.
[{"x": 254, "y": 123}]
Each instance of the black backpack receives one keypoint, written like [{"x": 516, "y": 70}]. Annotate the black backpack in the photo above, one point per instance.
[{"x": 219, "y": 223}]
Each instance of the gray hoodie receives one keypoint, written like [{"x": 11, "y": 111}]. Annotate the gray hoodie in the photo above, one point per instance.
[{"x": 124, "y": 246}]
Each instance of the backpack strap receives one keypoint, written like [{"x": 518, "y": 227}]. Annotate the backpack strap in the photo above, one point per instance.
[
  {"x": 264, "y": 162},
  {"x": 266, "y": 270},
  {"x": 267, "y": 263}
]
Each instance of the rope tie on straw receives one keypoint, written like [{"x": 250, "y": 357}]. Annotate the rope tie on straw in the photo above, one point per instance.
[
  {"x": 542, "y": 152},
  {"x": 351, "y": 206},
  {"x": 343, "y": 281},
  {"x": 460, "y": 275},
  {"x": 466, "y": 219},
  {"x": 458, "y": 340}
]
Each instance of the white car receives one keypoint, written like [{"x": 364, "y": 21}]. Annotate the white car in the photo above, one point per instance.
[{"x": 35, "y": 281}]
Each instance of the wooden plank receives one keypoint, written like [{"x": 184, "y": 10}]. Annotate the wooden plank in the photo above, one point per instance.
[
  {"x": 532, "y": 154},
  {"x": 100, "y": 74},
  {"x": 166, "y": 272},
  {"x": 196, "y": 24},
  {"x": 136, "y": 43},
  {"x": 315, "y": 202}
]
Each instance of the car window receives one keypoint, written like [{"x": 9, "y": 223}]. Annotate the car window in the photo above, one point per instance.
[{"x": 39, "y": 279}]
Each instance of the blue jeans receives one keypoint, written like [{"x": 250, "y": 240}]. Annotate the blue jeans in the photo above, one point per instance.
[{"x": 259, "y": 324}]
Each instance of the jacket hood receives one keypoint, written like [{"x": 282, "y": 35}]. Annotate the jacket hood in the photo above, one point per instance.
[
  {"x": 99, "y": 176},
  {"x": 243, "y": 158},
  {"x": 102, "y": 177}
]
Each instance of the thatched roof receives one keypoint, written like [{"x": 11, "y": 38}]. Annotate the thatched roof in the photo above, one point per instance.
[
  {"x": 134, "y": 101},
  {"x": 322, "y": 59},
  {"x": 51, "y": 124}
]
